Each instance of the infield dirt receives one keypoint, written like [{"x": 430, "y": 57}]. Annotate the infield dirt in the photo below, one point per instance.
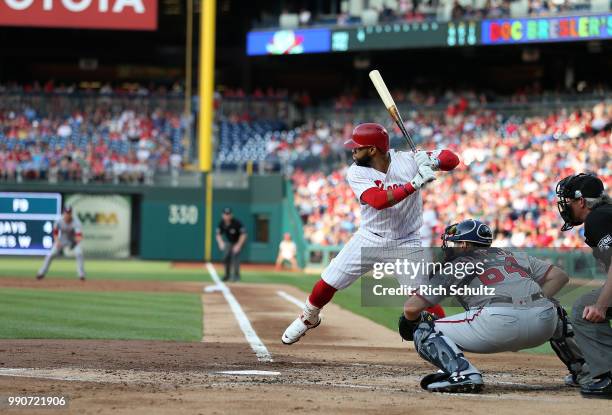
[{"x": 347, "y": 365}]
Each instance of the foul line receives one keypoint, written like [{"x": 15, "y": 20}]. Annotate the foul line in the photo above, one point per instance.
[
  {"x": 291, "y": 299},
  {"x": 262, "y": 353}
]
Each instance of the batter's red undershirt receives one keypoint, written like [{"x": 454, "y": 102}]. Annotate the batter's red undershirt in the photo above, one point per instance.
[{"x": 377, "y": 198}]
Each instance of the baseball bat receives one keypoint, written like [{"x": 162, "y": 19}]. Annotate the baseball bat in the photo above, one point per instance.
[{"x": 387, "y": 99}]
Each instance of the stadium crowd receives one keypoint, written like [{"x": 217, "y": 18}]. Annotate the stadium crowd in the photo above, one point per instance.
[
  {"x": 507, "y": 177},
  {"x": 58, "y": 134},
  {"x": 399, "y": 11}
]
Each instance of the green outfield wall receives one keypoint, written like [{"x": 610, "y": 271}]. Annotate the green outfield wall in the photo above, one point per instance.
[{"x": 168, "y": 222}]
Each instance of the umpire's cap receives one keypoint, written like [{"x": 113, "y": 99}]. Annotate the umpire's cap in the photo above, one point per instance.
[
  {"x": 580, "y": 185},
  {"x": 573, "y": 187}
]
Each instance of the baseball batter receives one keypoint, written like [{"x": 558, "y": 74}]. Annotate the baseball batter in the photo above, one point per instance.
[
  {"x": 514, "y": 312},
  {"x": 67, "y": 232},
  {"x": 387, "y": 183}
]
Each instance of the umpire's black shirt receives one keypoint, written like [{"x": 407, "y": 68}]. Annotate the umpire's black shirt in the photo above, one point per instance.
[
  {"x": 231, "y": 231},
  {"x": 598, "y": 233}
]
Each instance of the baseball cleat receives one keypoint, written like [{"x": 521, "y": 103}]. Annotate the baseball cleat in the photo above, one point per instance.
[
  {"x": 39, "y": 276},
  {"x": 297, "y": 330},
  {"x": 571, "y": 380},
  {"x": 600, "y": 388},
  {"x": 470, "y": 383}
]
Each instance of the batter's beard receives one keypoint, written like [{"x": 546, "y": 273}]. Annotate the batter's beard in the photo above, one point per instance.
[{"x": 365, "y": 161}]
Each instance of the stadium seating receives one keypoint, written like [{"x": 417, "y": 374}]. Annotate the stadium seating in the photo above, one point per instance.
[
  {"x": 241, "y": 142},
  {"x": 74, "y": 136},
  {"x": 390, "y": 11}
]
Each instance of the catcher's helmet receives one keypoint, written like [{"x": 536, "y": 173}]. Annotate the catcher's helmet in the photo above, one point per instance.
[
  {"x": 469, "y": 230},
  {"x": 369, "y": 134},
  {"x": 574, "y": 187}
]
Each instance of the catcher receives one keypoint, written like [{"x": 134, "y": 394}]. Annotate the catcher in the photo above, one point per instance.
[{"x": 519, "y": 314}]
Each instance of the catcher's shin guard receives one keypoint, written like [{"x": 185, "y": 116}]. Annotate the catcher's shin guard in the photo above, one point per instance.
[
  {"x": 440, "y": 351},
  {"x": 565, "y": 346}
]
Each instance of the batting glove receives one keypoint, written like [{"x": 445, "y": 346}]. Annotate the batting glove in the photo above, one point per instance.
[
  {"x": 422, "y": 159},
  {"x": 424, "y": 176}
]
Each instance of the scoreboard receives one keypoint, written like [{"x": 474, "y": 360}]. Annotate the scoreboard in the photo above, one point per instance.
[
  {"x": 407, "y": 35},
  {"x": 26, "y": 222}
]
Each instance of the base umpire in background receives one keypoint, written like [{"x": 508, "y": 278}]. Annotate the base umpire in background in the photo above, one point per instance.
[
  {"x": 234, "y": 232},
  {"x": 582, "y": 200}
]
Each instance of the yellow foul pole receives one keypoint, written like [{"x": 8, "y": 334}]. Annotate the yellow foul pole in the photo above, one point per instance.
[{"x": 205, "y": 116}]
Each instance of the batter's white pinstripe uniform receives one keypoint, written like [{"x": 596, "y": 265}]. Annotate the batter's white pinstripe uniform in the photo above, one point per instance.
[{"x": 382, "y": 232}]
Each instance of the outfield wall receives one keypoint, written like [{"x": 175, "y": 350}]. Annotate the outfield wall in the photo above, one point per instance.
[{"x": 169, "y": 222}]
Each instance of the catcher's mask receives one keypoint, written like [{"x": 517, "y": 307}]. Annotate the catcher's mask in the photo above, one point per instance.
[
  {"x": 470, "y": 230},
  {"x": 574, "y": 187}
]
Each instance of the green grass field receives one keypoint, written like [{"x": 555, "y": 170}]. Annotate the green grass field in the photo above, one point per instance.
[
  {"x": 28, "y": 313},
  {"x": 43, "y": 314},
  {"x": 133, "y": 270}
]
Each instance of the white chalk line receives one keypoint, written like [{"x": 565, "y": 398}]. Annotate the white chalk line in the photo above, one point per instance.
[
  {"x": 262, "y": 353},
  {"x": 48, "y": 374},
  {"x": 202, "y": 301},
  {"x": 291, "y": 299}
]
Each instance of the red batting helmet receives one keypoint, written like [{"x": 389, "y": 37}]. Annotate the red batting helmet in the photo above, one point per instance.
[{"x": 369, "y": 134}]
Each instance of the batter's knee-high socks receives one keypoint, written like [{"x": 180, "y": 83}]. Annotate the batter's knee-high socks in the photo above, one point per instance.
[{"x": 321, "y": 294}]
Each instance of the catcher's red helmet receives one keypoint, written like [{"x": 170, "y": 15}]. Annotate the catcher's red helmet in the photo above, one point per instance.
[{"x": 369, "y": 134}]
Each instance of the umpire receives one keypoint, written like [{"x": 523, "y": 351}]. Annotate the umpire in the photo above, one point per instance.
[
  {"x": 235, "y": 234},
  {"x": 582, "y": 200}
]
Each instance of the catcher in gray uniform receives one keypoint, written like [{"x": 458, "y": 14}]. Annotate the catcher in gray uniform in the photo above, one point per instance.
[
  {"x": 67, "y": 232},
  {"x": 508, "y": 303}
]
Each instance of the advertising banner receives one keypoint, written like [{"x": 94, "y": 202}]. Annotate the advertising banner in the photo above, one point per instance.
[
  {"x": 84, "y": 14},
  {"x": 546, "y": 29},
  {"x": 288, "y": 42},
  {"x": 107, "y": 223}
]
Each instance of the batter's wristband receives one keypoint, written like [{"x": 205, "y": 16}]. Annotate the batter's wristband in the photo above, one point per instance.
[
  {"x": 409, "y": 189},
  {"x": 402, "y": 192}
]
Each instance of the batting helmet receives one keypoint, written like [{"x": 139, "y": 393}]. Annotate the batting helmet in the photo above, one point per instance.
[
  {"x": 470, "y": 230},
  {"x": 574, "y": 187},
  {"x": 369, "y": 134}
]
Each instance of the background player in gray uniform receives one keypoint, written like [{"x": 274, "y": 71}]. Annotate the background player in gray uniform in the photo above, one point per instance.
[
  {"x": 582, "y": 200},
  {"x": 518, "y": 314},
  {"x": 67, "y": 232}
]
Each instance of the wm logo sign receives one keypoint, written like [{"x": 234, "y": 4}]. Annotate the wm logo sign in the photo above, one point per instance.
[{"x": 97, "y": 218}]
